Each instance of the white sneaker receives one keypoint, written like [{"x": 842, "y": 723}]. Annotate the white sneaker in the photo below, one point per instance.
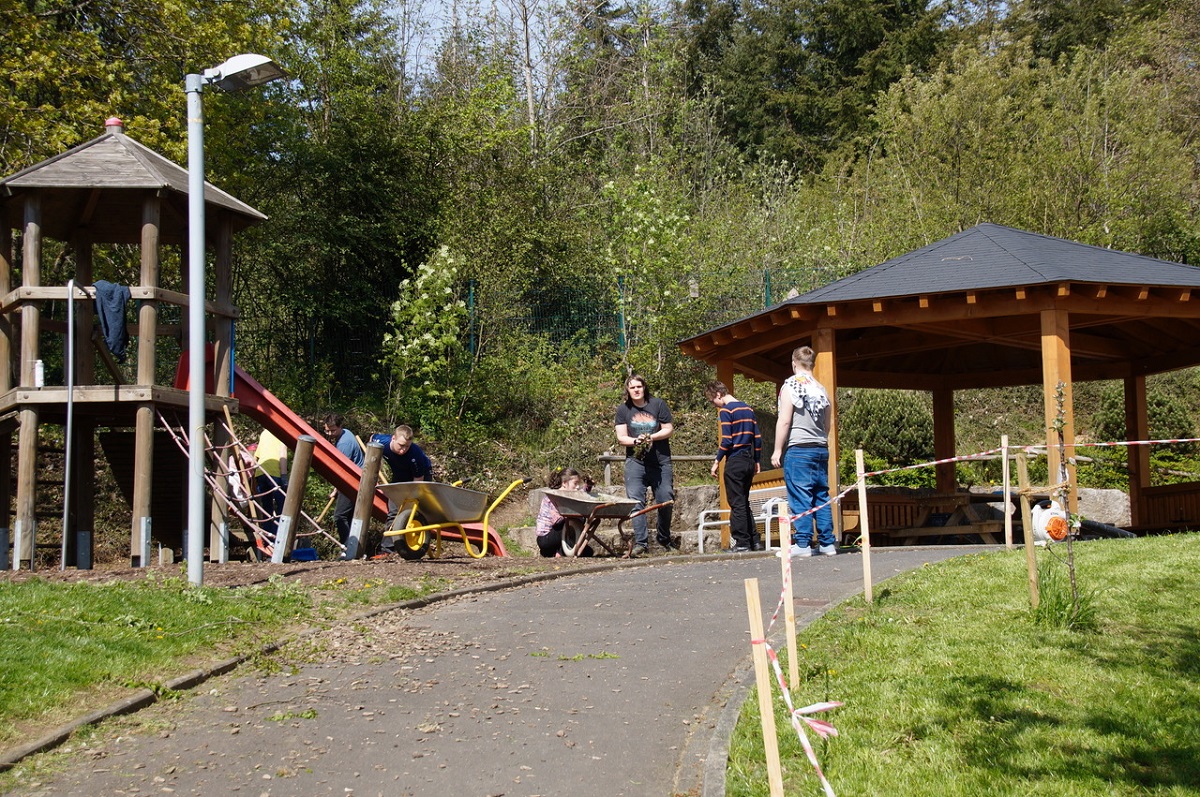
[
  {"x": 798, "y": 551},
  {"x": 828, "y": 550}
]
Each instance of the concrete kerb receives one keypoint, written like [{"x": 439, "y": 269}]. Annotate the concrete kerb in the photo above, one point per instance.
[{"x": 143, "y": 698}]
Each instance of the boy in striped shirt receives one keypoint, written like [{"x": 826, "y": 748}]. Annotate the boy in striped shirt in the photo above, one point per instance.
[{"x": 741, "y": 448}]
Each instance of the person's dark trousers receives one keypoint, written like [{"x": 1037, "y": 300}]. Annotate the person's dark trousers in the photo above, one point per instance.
[
  {"x": 343, "y": 514},
  {"x": 270, "y": 498},
  {"x": 739, "y": 474},
  {"x": 659, "y": 479}
]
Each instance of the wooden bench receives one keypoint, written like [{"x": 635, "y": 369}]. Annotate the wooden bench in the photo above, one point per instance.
[{"x": 905, "y": 519}]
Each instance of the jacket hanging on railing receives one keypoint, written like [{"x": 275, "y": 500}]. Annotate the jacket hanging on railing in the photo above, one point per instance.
[{"x": 110, "y": 309}]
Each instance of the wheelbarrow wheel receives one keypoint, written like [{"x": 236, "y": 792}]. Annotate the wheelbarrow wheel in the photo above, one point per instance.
[
  {"x": 572, "y": 530},
  {"x": 414, "y": 544}
]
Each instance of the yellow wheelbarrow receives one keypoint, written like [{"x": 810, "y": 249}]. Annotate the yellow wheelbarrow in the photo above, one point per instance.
[{"x": 427, "y": 510}]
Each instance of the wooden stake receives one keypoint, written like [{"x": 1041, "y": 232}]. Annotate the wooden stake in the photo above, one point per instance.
[
  {"x": 789, "y": 620},
  {"x": 1027, "y": 524},
  {"x": 864, "y": 525},
  {"x": 762, "y": 678},
  {"x": 1008, "y": 506}
]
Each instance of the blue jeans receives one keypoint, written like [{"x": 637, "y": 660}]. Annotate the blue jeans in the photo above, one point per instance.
[
  {"x": 640, "y": 476},
  {"x": 806, "y": 472}
]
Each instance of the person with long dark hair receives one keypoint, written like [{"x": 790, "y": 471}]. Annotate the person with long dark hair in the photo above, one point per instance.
[{"x": 644, "y": 425}]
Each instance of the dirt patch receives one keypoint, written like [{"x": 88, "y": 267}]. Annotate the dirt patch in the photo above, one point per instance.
[{"x": 456, "y": 570}]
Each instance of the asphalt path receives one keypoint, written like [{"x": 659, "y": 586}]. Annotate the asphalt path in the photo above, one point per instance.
[{"x": 621, "y": 681}]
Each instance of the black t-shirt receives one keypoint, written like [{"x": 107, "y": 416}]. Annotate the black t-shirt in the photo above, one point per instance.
[{"x": 647, "y": 420}]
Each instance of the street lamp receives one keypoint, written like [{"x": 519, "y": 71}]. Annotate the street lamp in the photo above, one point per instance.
[{"x": 240, "y": 72}]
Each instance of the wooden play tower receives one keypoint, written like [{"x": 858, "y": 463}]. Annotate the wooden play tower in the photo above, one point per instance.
[{"x": 108, "y": 191}]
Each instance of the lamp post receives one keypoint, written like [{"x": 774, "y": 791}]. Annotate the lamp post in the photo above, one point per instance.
[{"x": 240, "y": 72}]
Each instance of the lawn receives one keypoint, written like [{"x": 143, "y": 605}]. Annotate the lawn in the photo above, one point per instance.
[{"x": 951, "y": 687}]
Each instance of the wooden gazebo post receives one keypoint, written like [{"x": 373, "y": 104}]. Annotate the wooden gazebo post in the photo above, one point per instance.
[
  {"x": 1056, "y": 369},
  {"x": 825, "y": 370},
  {"x": 1137, "y": 427},
  {"x": 944, "y": 440}
]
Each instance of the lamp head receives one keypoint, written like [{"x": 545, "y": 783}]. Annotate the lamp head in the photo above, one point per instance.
[{"x": 243, "y": 72}]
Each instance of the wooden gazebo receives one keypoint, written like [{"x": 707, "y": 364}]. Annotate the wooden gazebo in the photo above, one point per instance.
[
  {"x": 990, "y": 307},
  {"x": 110, "y": 190}
]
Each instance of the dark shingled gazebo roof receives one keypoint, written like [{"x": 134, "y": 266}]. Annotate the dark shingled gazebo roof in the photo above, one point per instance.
[
  {"x": 964, "y": 312},
  {"x": 993, "y": 256},
  {"x": 100, "y": 184}
]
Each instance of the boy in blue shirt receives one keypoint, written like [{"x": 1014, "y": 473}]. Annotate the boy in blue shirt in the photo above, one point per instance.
[{"x": 407, "y": 463}]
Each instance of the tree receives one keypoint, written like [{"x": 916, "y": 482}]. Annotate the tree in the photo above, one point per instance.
[
  {"x": 797, "y": 78},
  {"x": 351, "y": 202}
]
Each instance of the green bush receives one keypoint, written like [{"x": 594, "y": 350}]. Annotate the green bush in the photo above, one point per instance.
[{"x": 893, "y": 428}]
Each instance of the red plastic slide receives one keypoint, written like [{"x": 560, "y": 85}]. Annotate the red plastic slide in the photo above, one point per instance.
[{"x": 260, "y": 405}]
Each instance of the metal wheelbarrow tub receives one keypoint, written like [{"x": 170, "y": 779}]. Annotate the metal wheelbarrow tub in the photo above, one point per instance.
[{"x": 439, "y": 503}]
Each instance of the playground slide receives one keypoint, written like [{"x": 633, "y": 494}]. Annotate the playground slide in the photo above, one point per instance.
[{"x": 261, "y": 406}]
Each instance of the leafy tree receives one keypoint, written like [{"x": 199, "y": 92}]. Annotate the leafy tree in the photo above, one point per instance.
[
  {"x": 351, "y": 202},
  {"x": 1076, "y": 150}
]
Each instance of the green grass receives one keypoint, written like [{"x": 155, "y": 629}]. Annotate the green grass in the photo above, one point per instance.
[
  {"x": 71, "y": 647},
  {"x": 951, "y": 687}
]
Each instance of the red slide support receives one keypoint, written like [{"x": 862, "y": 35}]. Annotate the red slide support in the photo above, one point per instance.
[{"x": 261, "y": 406}]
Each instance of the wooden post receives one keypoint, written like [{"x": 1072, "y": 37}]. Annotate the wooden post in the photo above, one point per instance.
[
  {"x": 85, "y": 361},
  {"x": 1137, "y": 458},
  {"x": 222, "y": 320},
  {"x": 789, "y": 619},
  {"x": 82, "y": 525},
  {"x": 825, "y": 371},
  {"x": 1006, "y": 478},
  {"x": 297, "y": 481},
  {"x": 143, "y": 445},
  {"x": 27, "y": 445},
  {"x": 762, "y": 678},
  {"x": 944, "y": 442},
  {"x": 223, "y": 365},
  {"x": 1056, "y": 368},
  {"x": 6, "y": 384},
  {"x": 365, "y": 498},
  {"x": 148, "y": 311},
  {"x": 864, "y": 524},
  {"x": 6, "y": 327},
  {"x": 218, "y": 527},
  {"x": 143, "y": 473},
  {"x": 1027, "y": 525}
]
